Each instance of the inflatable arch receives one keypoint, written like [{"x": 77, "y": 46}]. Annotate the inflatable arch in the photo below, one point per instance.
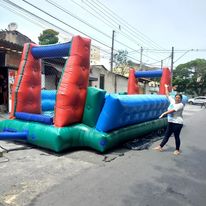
[
  {"x": 71, "y": 92},
  {"x": 76, "y": 115},
  {"x": 164, "y": 73}
]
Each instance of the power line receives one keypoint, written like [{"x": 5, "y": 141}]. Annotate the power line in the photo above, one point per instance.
[
  {"x": 104, "y": 15},
  {"x": 15, "y": 5},
  {"x": 126, "y": 24},
  {"x": 67, "y": 12},
  {"x": 116, "y": 19},
  {"x": 100, "y": 42},
  {"x": 69, "y": 25},
  {"x": 74, "y": 16},
  {"x": 182, "y": 55},
  {"x": 32, "y": 14},
  {"x": 110, "y": 14}
]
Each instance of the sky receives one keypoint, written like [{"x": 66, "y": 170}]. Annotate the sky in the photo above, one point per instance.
[{"x": 154, "y": 25}]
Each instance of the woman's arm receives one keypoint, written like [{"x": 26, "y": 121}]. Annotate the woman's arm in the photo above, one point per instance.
[
  {"x": 166, "y": 90},
  {"x": 167, "y": 112}
]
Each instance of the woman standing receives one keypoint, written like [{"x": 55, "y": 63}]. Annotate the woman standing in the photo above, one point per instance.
[{"x": 175, "y": 121}]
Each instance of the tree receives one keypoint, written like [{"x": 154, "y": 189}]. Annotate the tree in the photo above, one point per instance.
[
  {"x": 48, "y": 36},
  {"x": 121, "y": 63},
  {"x": 191, "y": 77}
]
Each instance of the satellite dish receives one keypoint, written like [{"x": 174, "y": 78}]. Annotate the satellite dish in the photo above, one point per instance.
[{"x": 12, "y": 26}]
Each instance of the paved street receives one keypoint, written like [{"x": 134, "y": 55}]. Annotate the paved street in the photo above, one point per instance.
[{"x": 30, "y": 176}]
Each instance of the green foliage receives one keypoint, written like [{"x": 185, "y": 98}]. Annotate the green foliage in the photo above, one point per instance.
[
  {"x": 122, "y": 65},
  {"x": 191, "y": 77},
  {"x": 48, "y": 36}
]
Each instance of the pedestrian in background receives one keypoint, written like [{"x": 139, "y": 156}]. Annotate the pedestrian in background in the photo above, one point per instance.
[{"x": 203, "y": 105}]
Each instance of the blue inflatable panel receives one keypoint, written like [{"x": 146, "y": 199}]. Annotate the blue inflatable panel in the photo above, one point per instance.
[
  {"x": 34, "y": 117},
  {"x": 151, "y": 73},
  {"x": 48, "y": 94},
  {"x": 13, "y": 135},
  {"x": 123, "y": 110},
  {"x": 51, "y": 51},
  {"x": 47, "y": 105},
  {"x": 48, "y": 99}
]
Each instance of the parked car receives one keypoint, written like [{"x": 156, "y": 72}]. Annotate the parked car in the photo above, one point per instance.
[{"x": 197, "y": 100}]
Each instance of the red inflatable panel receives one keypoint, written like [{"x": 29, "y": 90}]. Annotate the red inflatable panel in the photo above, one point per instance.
[
  {"x": 166, "y": 79},
  {"x": 133, "y": 87},
  {"x": 72, "y": 88},
  {"x": 26, "y": 92}
]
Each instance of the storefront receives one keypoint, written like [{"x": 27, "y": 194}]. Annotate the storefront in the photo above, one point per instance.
[{"x": 10, "y": 55}]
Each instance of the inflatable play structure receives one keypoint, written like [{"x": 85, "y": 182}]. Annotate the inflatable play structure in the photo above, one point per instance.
[
  {"x": 76, "y": 115},
  {"x": 164, "y": 73}
]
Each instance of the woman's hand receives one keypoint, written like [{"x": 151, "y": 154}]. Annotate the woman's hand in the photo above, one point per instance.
[
  {"x": 167, "y": 90},
  {"x": 162, "y": 115}
]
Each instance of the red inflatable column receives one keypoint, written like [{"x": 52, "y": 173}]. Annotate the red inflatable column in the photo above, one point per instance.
[
  {"x": 26, "y": 91},
  {"x": 133, "y": 87},
  {"x": 165, "y": 79},
  {"x": 72, "y": 88}
]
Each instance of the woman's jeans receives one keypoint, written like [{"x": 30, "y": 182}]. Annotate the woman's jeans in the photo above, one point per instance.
[{"x": 172, "y": 128}]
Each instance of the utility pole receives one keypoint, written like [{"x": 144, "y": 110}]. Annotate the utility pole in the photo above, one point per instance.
[
  {"x": 112, "y": 51},
  {"x": 172, "y": 64},
  {"x": 161, "y": 64},
  {"x": 141, "y": 51}
]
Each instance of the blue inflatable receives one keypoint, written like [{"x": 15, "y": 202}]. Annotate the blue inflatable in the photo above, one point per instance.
[
  {"x": 149, "y": 74},
  {"x": 123, "y": 110},
  {"x": 48, "y": 99},
  {"x": 51, "y": 51}
]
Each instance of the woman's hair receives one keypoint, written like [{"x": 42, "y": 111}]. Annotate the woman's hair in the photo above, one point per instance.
[{"x": 180, "y": 95}]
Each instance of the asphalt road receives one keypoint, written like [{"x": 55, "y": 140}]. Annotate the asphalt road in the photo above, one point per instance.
[{"x": 122, "y": 177}]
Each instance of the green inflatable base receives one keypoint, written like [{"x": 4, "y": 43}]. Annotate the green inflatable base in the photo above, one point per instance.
[{"x": 79, "y": 135}]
